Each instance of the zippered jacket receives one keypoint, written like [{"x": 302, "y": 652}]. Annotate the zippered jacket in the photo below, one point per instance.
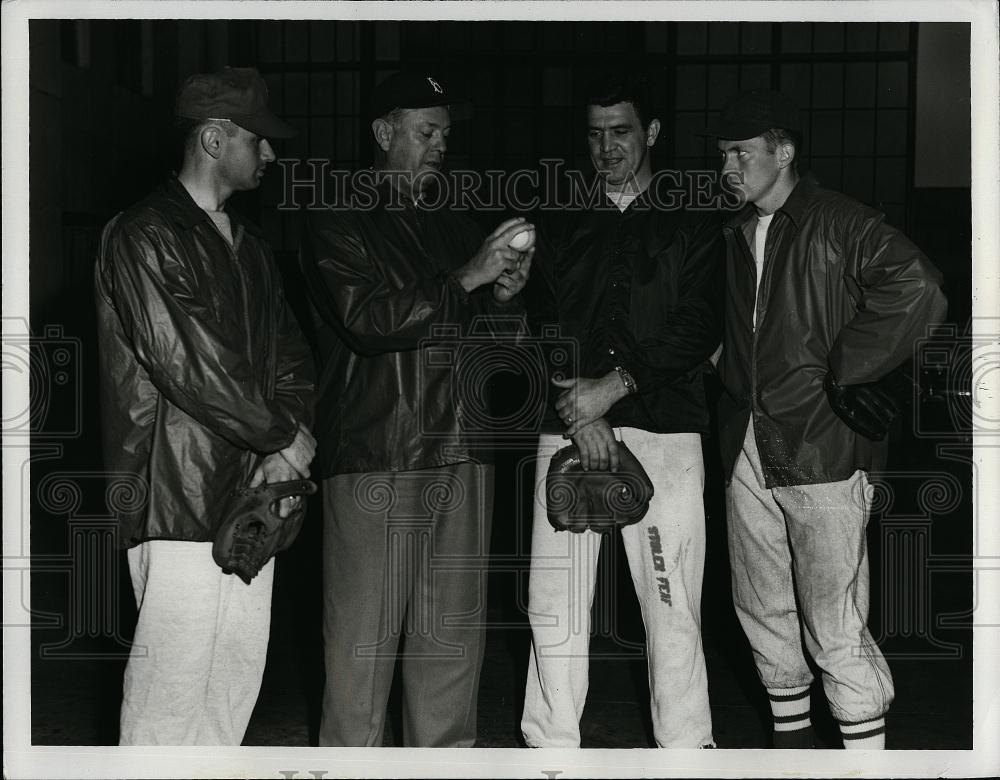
[
  {"x": 641, "y": 289},
  {"x": 841, "y": 291},
  {"x": 203, "y": 367}
]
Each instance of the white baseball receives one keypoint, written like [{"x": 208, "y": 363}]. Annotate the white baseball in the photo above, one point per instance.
[{"x": 522, "y": 240}]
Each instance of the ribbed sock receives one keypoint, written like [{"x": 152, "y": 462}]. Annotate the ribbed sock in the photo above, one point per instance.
[
  {"x": 790, "y": 713},
  {"x": 864, "y": 734}
]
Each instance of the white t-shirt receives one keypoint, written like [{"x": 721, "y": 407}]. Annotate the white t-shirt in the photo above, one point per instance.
[
  {"x": 759, "y": 239},
  {"x": 221, "y": 220},
  {"x": 621, "y": 198}
]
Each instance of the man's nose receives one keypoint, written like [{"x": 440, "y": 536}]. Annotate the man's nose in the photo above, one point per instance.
[
  {"x": 606, "y": 142},
  {"x": 440, "y": 144},
  {"x": 266, "y": 152}
]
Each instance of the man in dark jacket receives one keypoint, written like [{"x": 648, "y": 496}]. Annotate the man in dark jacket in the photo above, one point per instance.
[
  {"x": 207, "y": 386},
  {"x": 397, "y": 283},
  {"x": 823, "y": 304},
  {"x": 630, "y": 282}
]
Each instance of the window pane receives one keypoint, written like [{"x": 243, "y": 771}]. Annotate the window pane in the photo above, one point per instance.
[
  {"x": 387, "y": 40},
  {"x": 890, "y": 180},
  {"x": 828, "y": 85},
  {"x": 723, "y": 38},
  {"x": 557, "y": 86},
  {"x": 347, "y": 93},
  {"x": 755, "y": 77},
  {"x": 827, "y": 171},
  {"x": 656, "y": 37},
  {"x": 756, "y": 37},
  {"x": 858, "y": 178},
  {"x": 296, "y": 41},
  {"x": 829, "y": 37},
  {"x": 321, "y": 89},
  {"x": 861, "y": 36},
  {"x": 320, "y": 141},
  {"x": 892, "y": 83},
  {"x": 322, "y": 40},
  {"x": 859, "y": 132},
  {"x": 723, "y": 84},
  {"x": 692, "y": 37},
  {"x": 686, "y": 141},
  {"x": 296, "y": 94},
  {"x": 826, "y": 136},
  {"x": 691, "y": 86},
  {"x": 894, "y": 36},
  {"x": 796, "y": 36},
  {"x": 269, "y": 41},
  {"x": 891, "y": 138},
  {"x": 795, "y": 83},
  {"x": 860, "y": 90}
]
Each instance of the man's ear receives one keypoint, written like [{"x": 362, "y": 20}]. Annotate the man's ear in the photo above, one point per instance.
[
  {"x": 383, "y": 132},
  {"x": 652, "y": 132},
  {"x": 785, "y": 154},
  {"x": 212, "y": 139}
]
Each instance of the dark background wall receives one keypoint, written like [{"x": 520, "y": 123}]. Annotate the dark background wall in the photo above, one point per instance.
[{"x": 888, "y": 108}]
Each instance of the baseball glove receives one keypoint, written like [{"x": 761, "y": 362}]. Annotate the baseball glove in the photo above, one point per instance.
[
  {"x": 599, "y": 500},
  {"x": 252, "y": 532}
]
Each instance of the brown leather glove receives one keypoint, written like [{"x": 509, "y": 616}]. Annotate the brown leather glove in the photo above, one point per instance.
[
  {"x": 252, "y": 532},
  {"x": 599, "y": 500}
]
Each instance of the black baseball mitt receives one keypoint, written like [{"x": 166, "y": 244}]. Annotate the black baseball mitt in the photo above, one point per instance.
[
  {"x": 252, "y": 532},
  {"x": 599, "y": 500}
]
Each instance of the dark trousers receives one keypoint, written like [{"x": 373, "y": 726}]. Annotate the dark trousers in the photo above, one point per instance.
[{"x": 405, "y": 559}]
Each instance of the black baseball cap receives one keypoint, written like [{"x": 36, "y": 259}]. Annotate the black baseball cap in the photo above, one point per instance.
[
  {"x": 755, "y": 112},
  {"x": 414, "y": 89},
  {"x": 236, "y": 94}
]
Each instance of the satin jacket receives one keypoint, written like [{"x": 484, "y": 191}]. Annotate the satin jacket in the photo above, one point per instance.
[
  {"x": 841, "y": 291},
  {"x": 397, "y": 337},
  {"x": 203, "y": 367}
]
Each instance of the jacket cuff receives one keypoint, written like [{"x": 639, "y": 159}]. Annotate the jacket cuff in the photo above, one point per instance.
[{"x": 456, "y": 286}]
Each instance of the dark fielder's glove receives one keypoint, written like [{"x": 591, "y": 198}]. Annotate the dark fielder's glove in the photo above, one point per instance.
[
  {"x": 870, "y": 408},
  {"x": 252, "y": 532},
  {"x": 599, "y": 500}
]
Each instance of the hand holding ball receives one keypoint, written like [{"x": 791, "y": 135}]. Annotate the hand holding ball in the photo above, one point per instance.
[{"x": 523, "y": 241}]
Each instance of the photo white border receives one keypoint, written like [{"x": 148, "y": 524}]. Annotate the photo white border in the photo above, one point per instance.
[{"x": 23, "y": 760}]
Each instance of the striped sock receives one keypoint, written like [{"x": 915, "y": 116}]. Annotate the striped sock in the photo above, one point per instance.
[
  {"x": 790, "y": 713},
  {"x": 864, "y": 734}
]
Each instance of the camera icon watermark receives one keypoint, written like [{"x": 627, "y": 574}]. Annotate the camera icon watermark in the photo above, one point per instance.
[
  {"x": 959, "y": 379},
  {"x": 491, "y": 349},
  {"x": 51, "y": 363}
]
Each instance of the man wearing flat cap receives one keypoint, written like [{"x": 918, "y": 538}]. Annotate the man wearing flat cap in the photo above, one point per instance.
[
  {"x": 824, "y": 301},
  {"x": 396, "y": 284},
  {"x": 207, "y": 386}
]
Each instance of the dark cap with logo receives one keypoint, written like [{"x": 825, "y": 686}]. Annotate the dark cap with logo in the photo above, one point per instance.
[
  {"x": 754, "y": 113},
  {"x": 410, "y": 89},
  {"x": 236, "y": 94}
]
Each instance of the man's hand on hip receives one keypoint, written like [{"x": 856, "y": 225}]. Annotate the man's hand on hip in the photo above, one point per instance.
[
  {"x": 585, "y": 400},
  {"x": 598, "y": 446}
]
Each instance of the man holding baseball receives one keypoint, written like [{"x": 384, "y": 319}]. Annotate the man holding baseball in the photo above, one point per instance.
[
  {"x": 632, "y": 282},
  {"x": 396, "y": 283}
]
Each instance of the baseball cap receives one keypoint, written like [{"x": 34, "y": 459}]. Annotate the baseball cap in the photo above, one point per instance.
[
  {"x": 755, "y": 112},
  {"x": 413, "y": 89},
  {"x": 236, "y": 94}
]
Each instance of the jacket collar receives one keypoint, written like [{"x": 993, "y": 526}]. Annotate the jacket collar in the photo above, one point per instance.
[
  {"x": 794, "y": 207},
  {"x": 186, "y": 213}
]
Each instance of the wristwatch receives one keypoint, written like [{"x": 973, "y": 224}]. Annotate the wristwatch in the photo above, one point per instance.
[{"x": 627, "y": 380}]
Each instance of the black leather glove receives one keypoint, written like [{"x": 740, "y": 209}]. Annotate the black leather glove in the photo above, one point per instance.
[{"x": 868, "y": 408}]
